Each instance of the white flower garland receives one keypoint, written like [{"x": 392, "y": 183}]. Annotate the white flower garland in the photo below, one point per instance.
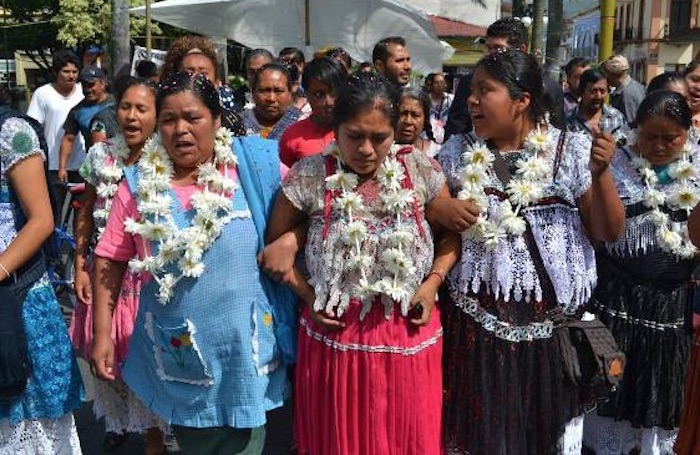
[
  {"x": 685, "y": 196},
  {"x": 109, "y": 176},
  {"x": 397, "y": 265},
  {"x": 525, "y": 188},
  {"x": 182, "y": 248}
]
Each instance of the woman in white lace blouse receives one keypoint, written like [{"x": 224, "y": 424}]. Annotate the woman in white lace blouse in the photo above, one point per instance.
[{"x": 525, "y": 197}]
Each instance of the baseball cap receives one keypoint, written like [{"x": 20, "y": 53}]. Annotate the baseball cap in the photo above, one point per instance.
[
  {"x": 616, "y": 64},
  {"x": 90, "y": 73}
]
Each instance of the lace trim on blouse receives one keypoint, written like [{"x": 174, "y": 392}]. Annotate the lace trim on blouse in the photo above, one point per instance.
[
  {"x": 640, "y": 233},
  {"x": 326, "y": 257},
  {"x": 508, "y": 272}
]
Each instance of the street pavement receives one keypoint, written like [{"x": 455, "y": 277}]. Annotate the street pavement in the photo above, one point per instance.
[{"x": 92, "y": 432}]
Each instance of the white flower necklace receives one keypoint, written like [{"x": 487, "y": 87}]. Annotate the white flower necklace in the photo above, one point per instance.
[
  {"x": 181, "y": 248},
  {"x": 109, "y": 175},
  {"x": 525, "y": 188},
  {"x": 397, "y": 266},
  {"x": 684, "y": 196}
]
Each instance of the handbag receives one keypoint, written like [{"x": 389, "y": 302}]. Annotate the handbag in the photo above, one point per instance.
[
  {"x": 15, "y": 362},
  {"x": 591, "y": 358},
  {"x": 590, "y": 354}
]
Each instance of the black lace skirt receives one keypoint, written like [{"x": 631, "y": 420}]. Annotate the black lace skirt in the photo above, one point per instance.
[
  {"x": 644, "y": 302},
  {"x": 503, "y": 397}
]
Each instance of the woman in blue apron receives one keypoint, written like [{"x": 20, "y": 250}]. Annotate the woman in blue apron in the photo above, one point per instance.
[{"x": 210, "y": 344}]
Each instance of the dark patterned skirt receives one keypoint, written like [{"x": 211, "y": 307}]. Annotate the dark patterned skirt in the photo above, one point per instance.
[
  {"x": 504, "y": 394},
  {"x": 644, "y": 302}
]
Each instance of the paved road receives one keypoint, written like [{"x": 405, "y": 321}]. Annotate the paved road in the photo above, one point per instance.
[{"x": 91, "y": 431}]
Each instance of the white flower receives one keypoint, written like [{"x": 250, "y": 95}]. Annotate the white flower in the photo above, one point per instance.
[
  {"x": 682, "y": 170},
  {"x": 100, "y": 214},
  {"x": 669, "y": 239},
  {"x": 533, "y": 168},
  {"x": 132, "y": 226},
  {"x": 639, "y": 162},
  {"x": 685, "y": 197},
  {"x": 513, "y": 225},
  {"x": 359, "y": 261},
  {"x": 364, "y": 290},
  {"x": 349, "y": 202},
  {"x": 401, "y": 237},
  {"x": 391, "y": 175},
  {"x": 112, "y": 172},
  {"x": 396, "y": 291},
  {"x": 479, "y": 198},
  {"x": 491, "y": 235},
  {"x": 106, "y": 190},
  {"x": 170, "y": 250},
  {"x": 523, "y": 192},
  {"x": 654, "y": 198},
  {"x": 538, "y": 141},
  {"x": 479, "y": 154},
  {"x": 649, "y": 175},
  {"x": 397, "y": 262},
  {"x": 658, "y": 217},
  {"x": 193, "y": 269},
  {"x": 398, "y": 201},
  {"x": 341, "y": 180},
  {"x": 156, "y": 204},
  {"x": 473, "y": 177},
  {"x": 687, "y": 250},
  {"x": 166, "y": 287},
  {"x": 355, "y": 232}
]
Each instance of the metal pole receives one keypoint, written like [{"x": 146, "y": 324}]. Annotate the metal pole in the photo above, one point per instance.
[
  {"x": 148, "y": 29},
  {"x": 607, "y": 26},
  {"x": 538, "y": 7},
  {"x": 307, "y": 23}
]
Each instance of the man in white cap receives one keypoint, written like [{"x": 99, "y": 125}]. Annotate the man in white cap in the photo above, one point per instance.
[{"x": 625, "y": 93}]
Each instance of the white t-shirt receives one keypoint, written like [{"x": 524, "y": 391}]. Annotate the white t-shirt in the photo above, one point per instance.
[{"x": 50, "y": 108}]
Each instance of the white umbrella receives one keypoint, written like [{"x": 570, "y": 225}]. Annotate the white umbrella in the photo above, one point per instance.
[{"x": 355, "y": 25}]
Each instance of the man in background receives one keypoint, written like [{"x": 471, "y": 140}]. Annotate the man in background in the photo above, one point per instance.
[
  {"x": 505, "y": 33},
  {"x": 626, "y": 94},
  {"x": 392, "y": 60},
  {"x": 50, "y": 105},
  {"x": 573, "y": 70}
]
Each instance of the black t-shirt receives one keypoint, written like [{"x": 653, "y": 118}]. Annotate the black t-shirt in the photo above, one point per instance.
[{"x": 80, "y": 119}]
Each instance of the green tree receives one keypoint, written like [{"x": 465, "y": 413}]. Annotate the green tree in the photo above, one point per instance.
[
  {"x": 81, "y": 22},
  {"x": 27, "y": 27}
]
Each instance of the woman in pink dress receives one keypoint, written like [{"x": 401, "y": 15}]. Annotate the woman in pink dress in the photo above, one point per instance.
[
  {"x": 369, "y": 375},
  {"x": 103, "y": 170}
]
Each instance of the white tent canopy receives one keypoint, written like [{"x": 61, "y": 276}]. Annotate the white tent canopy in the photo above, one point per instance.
[{"x": 355, "y": 25}]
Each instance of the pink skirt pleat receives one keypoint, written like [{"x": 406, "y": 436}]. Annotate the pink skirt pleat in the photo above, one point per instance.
[
  {"x": 123, "y": 319},
  {"x": 353, "y": 397}
]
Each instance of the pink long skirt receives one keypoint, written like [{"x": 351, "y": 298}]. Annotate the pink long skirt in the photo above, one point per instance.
[
  {"x": 373, "y": 388},
  {"x": 123, "y": 320}
]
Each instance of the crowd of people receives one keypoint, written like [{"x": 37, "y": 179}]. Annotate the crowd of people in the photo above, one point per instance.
[{"x": 389, "y": 258}]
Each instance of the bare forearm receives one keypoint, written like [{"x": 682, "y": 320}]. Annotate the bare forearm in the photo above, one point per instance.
[
  {"x": 448, "y": 249},
  {"x": 65, "y": 150},
  {"x": 108, "y": 282},
  {"x": 84, "y": 227}
]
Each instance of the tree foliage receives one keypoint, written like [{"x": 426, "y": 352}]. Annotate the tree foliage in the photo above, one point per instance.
[
  {"x": 81, "y": 22},
  {"x": 27, "y": 27}
]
